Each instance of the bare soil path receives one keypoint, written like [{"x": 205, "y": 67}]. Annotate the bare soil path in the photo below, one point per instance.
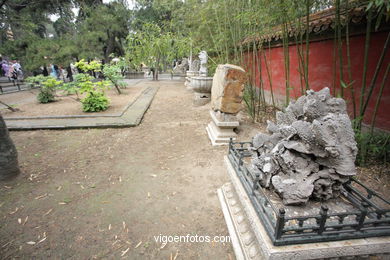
[{"x": 100, "y": 193}]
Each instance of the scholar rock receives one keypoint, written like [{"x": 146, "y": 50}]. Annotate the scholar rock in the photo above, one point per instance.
[
  {"x": 310, "y": 152},
  {"x": 227, "y": 89}
]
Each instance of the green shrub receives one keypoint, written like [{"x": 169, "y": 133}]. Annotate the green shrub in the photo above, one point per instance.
[
  {"x": 95, "y": 102},
  {"x": 35, "y": 81},
  {"x": 48, "y": 89},
  {"x": 113, "y": 72},
  {"x": 45, "y": 97}
]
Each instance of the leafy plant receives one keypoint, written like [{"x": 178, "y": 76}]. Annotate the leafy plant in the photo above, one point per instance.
[
  {"x": 71, "y": 87},
  {"x": 35, "y": 81},
  {"x": 95, "y": 102},
  {"x": 95, "y": 99},
  {"x": 113, "y": 72},
  {"x": 48, "y": 89},
  {"x": 373, "y": 146},
  {"x": 89, "y": 66}
]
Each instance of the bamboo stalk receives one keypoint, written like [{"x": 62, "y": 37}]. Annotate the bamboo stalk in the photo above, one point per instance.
[
  {"x": 269, "y": 78},
  {"x": 379, "y": 98},
  {"x": 307, "y": 44},
  {"x": 376, "y": 73},
  {"x": 365, "y": 64},
  {"x": 339, "y": 46},
  {"x": 349, "y": 67},
  {"x": 286, "y": 61}
]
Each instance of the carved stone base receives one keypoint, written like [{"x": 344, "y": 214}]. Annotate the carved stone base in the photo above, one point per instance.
[
  {"x": 221, "y": 130},
  {"x": 250, "y": 240},
  {"x": 201, "y": 99}
]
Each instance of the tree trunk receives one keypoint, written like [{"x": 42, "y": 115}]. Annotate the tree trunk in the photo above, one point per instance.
[{"x": 8, "y": 155}]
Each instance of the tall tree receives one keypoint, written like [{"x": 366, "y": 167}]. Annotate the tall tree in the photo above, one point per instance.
[{"x": 8, "y": 154}]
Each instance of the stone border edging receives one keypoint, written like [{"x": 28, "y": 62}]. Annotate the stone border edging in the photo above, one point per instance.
[{"x": 131, "y": 116}]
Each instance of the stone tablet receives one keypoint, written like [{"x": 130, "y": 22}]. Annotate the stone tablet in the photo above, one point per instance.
[{"x": 227, "y": 89}]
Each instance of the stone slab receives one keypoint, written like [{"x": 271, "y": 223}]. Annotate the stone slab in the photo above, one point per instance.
[
  {"x": 223, "y": 124},
  {"x": 132, "y": 116},
  {"x": 234, "y": 197},
  {"x": 221, "y": 132},
  {"x": 215, "y": 137}
]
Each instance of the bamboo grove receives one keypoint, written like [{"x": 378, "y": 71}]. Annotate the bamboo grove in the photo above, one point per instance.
[{"x": 236, "y": 32}]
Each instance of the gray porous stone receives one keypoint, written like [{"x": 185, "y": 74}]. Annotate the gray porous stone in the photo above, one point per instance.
[{"x": 311, "y": 150}]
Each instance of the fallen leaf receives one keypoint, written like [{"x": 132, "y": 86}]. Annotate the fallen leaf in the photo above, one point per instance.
[
  {"x": 59, "y": 188},
  {"x": 31, "y": 243},
  {"x": 163, "y": 245},
  {"x": 138, "y": 244},
  {"x": 43, "y": 239},
  {"x": 13, "y": 212},
  {"x": 41, "y": 196},
  {"x": 124, "y": 252},
  {"x": 48, "y": 212},
  {"x": 7, "y": 187},
  {"x": 6, "y": 244},
  {"x": 177, "y": 253},
  {"x": 25, "y": 221}
]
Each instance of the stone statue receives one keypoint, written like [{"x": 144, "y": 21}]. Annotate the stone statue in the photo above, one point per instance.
[
  {"x": 311, "y": 150},
  {"x": 203, "y": 63},
  {"x": 194, "y": 66},
  {"x": 182, "y": 67}
]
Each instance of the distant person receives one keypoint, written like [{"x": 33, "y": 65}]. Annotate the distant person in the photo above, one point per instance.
[
  {"x": 18, "y": 69},
  {"x": 5, "y": 68},
  {"x": 74, "y": 69},
  {"x": 54, "y": 71},
  {"x": 45, "y": 72},
  {"x": 69, "y": 73},
  {"x": 12, "y": 73}
]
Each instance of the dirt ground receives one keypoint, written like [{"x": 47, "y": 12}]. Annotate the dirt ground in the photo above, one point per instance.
[
  {"x": 28, "y": 105},
  {"x": 95, "y": 193},
  {"x": 105, "y": 193}
]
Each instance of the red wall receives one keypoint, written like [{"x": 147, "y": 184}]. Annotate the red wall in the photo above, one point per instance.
[{"x": 321, "y": 63}]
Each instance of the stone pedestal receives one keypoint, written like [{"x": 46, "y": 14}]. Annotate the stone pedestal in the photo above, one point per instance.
[
  {"x": 250, "y": 239},
  {"x": 201, "y": 99},
  {"x": 202, "y": 89},
  {"x": 220, "y": 129},
  {"x": 190, "y": 74}
]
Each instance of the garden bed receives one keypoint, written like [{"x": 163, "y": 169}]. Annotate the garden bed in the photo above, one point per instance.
[{"x": 65, "y": 105}]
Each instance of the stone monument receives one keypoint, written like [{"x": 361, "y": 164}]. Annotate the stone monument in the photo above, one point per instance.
[{"x": 226, "y": 96}]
